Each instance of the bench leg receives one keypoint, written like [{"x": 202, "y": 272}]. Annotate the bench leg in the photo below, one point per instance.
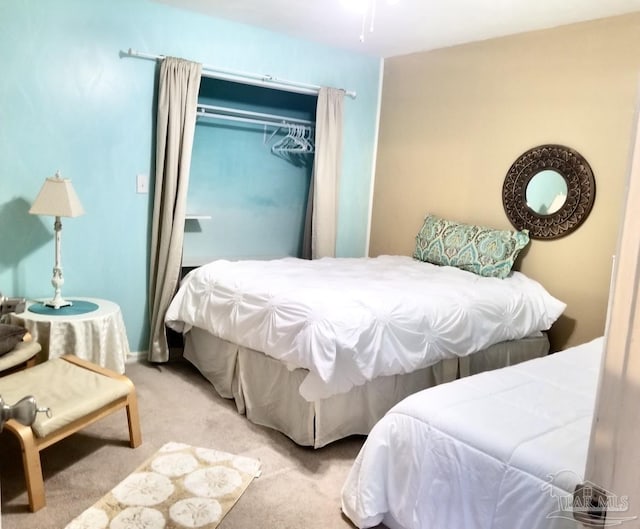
[
  {"x": 133, "y": 419},
  {"x": 31, "y": 362},
  {"x": 30, "y": 463}
]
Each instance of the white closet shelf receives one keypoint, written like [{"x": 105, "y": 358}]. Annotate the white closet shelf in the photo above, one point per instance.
[{"x": 193, "y": 216}]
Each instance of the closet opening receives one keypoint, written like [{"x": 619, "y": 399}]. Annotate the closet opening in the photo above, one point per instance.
[{"x": 250, "y": 173}]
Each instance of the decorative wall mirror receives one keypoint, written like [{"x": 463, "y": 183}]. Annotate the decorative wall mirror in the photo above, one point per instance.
[{"x": 549, "y": 190}]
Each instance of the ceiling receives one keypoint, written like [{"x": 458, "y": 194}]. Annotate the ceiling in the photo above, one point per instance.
[{"x": 409, "y": 25}]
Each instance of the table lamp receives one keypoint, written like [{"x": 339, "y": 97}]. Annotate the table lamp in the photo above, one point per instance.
[{"x": 57, "y": 198}]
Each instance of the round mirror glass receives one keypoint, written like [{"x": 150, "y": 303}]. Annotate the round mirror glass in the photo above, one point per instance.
[{"x": 546, "y": 192}]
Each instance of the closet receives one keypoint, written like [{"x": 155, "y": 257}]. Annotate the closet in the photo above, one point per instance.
[{"x": 250, "y": 173}]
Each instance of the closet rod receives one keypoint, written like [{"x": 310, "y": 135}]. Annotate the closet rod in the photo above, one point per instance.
[
  {"x": 239, "y": 118},
  {"x": 235, "y": 112},
  {"x": 265, "y": 80}
]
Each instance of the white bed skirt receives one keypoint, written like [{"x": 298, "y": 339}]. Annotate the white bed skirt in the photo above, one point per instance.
[{"x": 268, "y": 392}]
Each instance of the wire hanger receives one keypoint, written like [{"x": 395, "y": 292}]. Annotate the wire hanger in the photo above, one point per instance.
[{"x": 296, "y": 145}]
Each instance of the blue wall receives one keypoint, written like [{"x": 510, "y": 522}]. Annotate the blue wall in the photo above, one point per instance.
[{"x": 69, "y": 101}]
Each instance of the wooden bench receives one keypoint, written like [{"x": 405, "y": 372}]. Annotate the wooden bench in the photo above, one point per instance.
[{"x": 78, "y": 394}]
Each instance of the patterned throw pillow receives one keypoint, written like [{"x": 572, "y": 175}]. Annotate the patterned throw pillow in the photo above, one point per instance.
[{"x": 478, "y": 249}]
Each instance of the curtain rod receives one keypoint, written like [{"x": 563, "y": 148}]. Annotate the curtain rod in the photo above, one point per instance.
[{"x": 265, "y": 80}]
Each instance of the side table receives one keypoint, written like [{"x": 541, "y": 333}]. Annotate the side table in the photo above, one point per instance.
[{"x": 97, "y": 335}]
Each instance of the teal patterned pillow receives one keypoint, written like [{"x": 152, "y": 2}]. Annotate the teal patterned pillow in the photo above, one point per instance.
[{"x": 478, "y": 249}]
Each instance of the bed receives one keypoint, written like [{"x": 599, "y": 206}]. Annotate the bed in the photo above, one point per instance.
[
  {"x": 499, "y": 450},
  {"x": 321, "y": 349}
]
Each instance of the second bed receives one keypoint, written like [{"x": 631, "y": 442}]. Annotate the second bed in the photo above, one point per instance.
[{"x": 500, "y": 450}]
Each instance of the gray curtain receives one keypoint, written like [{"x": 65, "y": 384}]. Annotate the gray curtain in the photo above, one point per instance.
[
  {"x": 178, "y": 86},
  {"x": 322, "y": 205}
]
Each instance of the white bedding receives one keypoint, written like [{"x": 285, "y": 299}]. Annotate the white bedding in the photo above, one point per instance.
[
  {"x": 350, "y": 320},
  {"x": 498, "y": 450}
]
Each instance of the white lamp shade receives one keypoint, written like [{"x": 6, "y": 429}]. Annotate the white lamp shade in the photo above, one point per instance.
[{"x": 57, "y": 198}]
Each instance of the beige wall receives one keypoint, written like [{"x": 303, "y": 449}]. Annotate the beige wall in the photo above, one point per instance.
[{"x": 454, "y": 120}]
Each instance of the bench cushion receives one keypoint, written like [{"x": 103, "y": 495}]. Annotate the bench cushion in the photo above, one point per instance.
[{"x": 70, "y": 391}]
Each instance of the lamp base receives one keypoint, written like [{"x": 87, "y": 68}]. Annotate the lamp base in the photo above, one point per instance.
[{"x": 57, "y": 303}]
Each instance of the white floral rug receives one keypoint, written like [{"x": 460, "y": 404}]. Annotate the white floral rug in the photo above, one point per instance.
[{"x": 179, "y": 486}]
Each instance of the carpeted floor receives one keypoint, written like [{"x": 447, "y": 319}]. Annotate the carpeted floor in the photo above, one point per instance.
[{"x": 299, "y": 487}]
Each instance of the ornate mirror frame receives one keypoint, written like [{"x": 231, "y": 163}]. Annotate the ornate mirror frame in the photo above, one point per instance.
[{"x": 581, "y": 191}]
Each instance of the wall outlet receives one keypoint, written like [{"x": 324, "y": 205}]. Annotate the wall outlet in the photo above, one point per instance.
[{"x": 142, "y": 183}]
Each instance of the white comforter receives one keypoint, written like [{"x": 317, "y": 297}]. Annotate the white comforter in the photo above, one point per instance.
[
  {"x": 349, "y": 320},
  {"x": 499, "y": 450}
]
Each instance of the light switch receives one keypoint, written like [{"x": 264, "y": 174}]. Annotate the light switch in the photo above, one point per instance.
[{"x": 142, "y": 183}]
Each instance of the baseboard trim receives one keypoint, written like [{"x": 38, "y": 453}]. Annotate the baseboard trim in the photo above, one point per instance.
[{"x": 136, "y": 356}]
